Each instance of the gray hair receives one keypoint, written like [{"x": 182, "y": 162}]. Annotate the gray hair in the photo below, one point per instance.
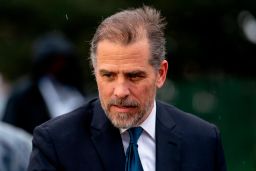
[{"x": 129, "y": 26}]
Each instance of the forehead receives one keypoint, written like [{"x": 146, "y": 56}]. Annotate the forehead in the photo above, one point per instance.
[{"x": 114, "y": 54}]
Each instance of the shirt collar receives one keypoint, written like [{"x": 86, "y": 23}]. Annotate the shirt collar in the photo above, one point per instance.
[{"x": 149, "y": 125}]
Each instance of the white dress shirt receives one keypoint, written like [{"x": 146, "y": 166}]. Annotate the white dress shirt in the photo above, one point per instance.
[
  {"x": 59, "y": 98},
  {"x": 146, "y": 142}
]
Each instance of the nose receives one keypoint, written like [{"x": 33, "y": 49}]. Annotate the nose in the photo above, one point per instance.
[{"x": 121, "y": 90}]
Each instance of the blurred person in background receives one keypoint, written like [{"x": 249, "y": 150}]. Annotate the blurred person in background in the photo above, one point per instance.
[
  {"x": 4, "y": 91},
  {"x": 54, "y": 87},
  {"x": 15, "y": 148}
]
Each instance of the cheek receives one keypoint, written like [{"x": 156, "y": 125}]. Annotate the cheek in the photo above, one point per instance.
[
  {"x": 145, "y": 92},
  {"x": 104, "y": 89}
]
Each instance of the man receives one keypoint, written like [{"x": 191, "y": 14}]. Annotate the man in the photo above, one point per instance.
[
  {"x": 127, "y": 54},
  {"x": 53, "y": 87}
]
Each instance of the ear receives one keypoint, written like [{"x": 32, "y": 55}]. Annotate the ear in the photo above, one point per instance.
[{"x": 161, "y": 75}]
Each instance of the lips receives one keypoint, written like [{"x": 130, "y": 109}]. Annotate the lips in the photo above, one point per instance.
[{"x": 120, "y": 108}]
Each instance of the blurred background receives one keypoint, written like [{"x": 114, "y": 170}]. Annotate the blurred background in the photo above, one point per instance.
[{"x": 211, "y": 49}]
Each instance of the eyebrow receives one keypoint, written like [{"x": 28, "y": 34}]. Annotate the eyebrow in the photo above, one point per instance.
[
  {"x": 103, "y": 71},
  {"x": 135, "y": 72}
]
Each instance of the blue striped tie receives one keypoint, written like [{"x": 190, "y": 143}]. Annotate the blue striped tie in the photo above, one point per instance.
[{"x": 132, "y": 156}]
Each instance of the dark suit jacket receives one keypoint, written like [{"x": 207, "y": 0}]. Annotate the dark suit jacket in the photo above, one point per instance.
[
  {"x": 26, "y": 107},
  {"x": 86, "y": 140}
]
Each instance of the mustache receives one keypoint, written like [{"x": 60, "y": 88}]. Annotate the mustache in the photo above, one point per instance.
[{"x": 123, "y": 102}]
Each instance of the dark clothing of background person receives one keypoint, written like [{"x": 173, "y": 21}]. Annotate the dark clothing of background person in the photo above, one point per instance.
[
  {"x": 26, "y": 107},
  {"x": 183, "y": 142},
  {"x": 54, "y": 64}
]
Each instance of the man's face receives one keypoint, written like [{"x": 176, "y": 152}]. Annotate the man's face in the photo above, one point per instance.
[{"x": 126, "y": 81}]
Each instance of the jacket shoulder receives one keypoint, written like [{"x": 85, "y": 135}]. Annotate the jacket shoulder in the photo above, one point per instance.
[
  {"x": 185, "y": 122},
  {"x": 71, "y": 121},
  {"x": 65, "y": 141}
]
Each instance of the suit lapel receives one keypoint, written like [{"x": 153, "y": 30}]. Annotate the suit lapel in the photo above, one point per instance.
[
  {"x": 107, "y": 141},
  {"x": 167, "y": 141}
]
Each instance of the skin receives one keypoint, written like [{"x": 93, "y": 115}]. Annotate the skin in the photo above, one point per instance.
[{"x": 127, "y": 83}]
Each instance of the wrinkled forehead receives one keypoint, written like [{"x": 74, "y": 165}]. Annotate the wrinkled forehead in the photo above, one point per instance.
[{"x": 119, "y": 54}]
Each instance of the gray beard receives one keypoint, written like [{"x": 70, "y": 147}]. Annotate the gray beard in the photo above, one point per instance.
[{"x": 125, "y": 120}]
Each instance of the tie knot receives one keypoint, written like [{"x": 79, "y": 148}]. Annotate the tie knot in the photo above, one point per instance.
[{"x": 135, "y": 134}]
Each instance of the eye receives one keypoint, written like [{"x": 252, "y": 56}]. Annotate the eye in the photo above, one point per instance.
[
  {"x": 135, "y": 76},
  {"x": 107, "y": 75}
]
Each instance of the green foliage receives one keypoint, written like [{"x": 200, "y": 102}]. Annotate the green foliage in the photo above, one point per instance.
[{"x": 229, "y": 103}]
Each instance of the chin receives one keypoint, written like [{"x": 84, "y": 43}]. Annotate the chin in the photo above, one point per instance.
[{"x": 125, "y": 120}]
